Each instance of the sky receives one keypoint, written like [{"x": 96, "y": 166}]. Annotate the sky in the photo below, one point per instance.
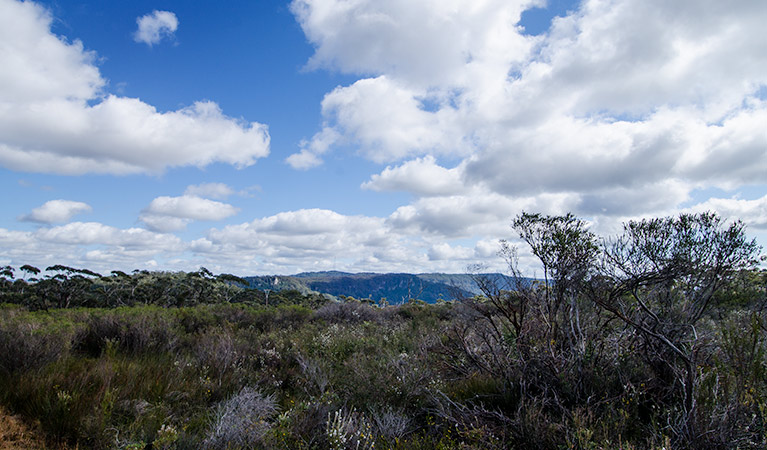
[{"x": 275, "y": 137}]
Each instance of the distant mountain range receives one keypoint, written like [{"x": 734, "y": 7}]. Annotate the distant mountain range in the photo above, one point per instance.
[{"x": 394, "y": 287}]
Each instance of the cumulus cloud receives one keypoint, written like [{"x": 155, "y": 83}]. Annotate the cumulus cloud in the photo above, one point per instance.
[
  {"x": 319, "y": 239},
  {"x": 218, "y": 191},
  {"x": 309, "y": 156},
  {"x": 316, "y": 239},
  {"x": 386, "y": 120},
  {"x": 56, "y": 118},
  {"x": 94, "y": 233},
  {"x": 446, "y": 251},
  {"x": 752, "y": 212},
  {"x": 303, "y": 160},
  {"x": 55, "y": 211},
  {"x": 164, "y": 224},
  {"x": 421, "y": 176},
  {"x": 175, "y": 213},
  {"x": 287, "y": 242},
  {"x": 619, "y": 110},
  {"x": 88, "y": 244},
  {"x": 630, "y": 57},
  {"x": 191, "y": 207},
  {"x": 153, "y": 27},
  {"x": 284, "y": 243},
  {"x": 658, "y": 198},
  {"x": 422, "y": 43},
  {"x": 478, "y": 213}
]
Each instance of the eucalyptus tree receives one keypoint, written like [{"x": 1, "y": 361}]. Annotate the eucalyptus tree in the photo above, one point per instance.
[
  {"x": 68, "y": 286},
  {"x": 6, "y": 280},
  {"x": 6, "y": 272},
  {"x": 230, "y": 286}
]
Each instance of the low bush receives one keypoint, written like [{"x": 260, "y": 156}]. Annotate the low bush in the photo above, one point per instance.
[
  {"x": 346, "y": 312},
  {"x": 241, "y": 421},
  {"x": 31, "y": 340}
]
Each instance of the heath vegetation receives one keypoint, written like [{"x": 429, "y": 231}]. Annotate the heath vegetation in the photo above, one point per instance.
[{"x": 653, "y": 339}]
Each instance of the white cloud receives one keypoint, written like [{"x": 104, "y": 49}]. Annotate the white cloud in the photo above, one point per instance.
[
  {"x": 91, "y": 245},
  {"x": 421, "y": 176},
  {"x": 175, "y": 213},
  {"x": 313, "y": 222},
  {"x": 629, "y": 57},
  {"x": 387, "y": 120},
  {"x": 93, "y": 233},
  {"x": 37, "y": 65},
  {"x": 659, "y": 198},
  {"x": 54, "y": 211},
  {"x": 622, "y": 108},
  {"x": 308, "y": 157},
  {"x": 218, "y": 191},
  {"x": 55, "y": 117},
  {"x": 487, "y": 249},
  {"x": 423, "y": 43},
  {"x": 288, "y": 242},
  {"x": 445, "y": 251},
  {"x": 152, "y": 28},
  {"x": 317, "y": 239},
  {"x": 303, "y": 160},
  {"x": 164, "y": 224},
  {"x": 191, "y": 207},
  {"x": 475, "y": 213},
  {"x": 752, "y": 212}
]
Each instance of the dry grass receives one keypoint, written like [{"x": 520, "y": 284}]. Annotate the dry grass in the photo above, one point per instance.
[{"x": 16, "y": 435}]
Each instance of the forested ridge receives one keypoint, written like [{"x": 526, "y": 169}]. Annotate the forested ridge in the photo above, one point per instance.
[
  {"x": 656, "y": 338},
  {"x": 392, "y": 288}
]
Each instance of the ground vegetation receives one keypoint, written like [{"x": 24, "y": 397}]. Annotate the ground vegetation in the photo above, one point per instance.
[{"x": 656, "y": 338}]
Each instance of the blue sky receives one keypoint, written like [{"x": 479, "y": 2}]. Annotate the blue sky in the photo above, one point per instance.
[{"x": 277, "y": 136}]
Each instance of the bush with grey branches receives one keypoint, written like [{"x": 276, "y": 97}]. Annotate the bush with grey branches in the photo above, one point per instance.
[{"x": 241, "y": 421}]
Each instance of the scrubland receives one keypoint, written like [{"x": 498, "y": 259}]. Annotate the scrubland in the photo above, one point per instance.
[{"x": 633, "y": 344}]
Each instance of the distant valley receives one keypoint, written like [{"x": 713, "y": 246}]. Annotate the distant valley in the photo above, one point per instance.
[{"x": 394, "y": 287}]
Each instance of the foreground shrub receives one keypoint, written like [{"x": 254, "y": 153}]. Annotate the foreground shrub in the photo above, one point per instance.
[
  {"x": 241, "y": 421},
  {"x": 27, "y": 344},
  {"x": 135, "y": 331},
  {"x": 349, "y": 430},
  {"x": 390, "y": 424}
]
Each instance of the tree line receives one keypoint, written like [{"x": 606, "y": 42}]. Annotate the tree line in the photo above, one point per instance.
[{"x": 60, "y": 286}]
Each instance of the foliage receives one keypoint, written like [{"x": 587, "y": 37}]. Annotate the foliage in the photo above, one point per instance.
[
  {"x": 65, "y": 287},
  {"x": 662, "y": 277},
  {"x": 600, "y": 354},
  {"x": 241, "y": 421}
]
